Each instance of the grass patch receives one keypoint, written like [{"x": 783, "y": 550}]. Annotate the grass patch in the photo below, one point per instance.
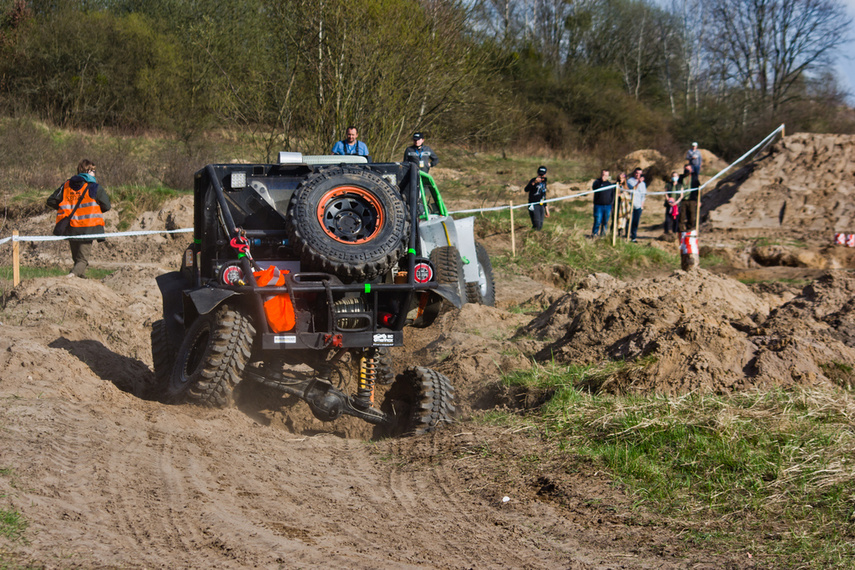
[
  {"x": 564, "y": 242},
  {"x": 38, "y": 272},
  {"x": 773, "y": 470},
  {"x": 96, "y": 273},
  {"x": 12, "y": 524},
  {"x": 762, "y": 242}
]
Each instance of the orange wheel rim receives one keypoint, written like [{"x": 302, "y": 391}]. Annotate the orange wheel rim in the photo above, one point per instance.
[{"x": 351, "y": 215}]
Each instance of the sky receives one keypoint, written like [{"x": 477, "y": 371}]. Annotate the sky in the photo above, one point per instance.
[{"x": 846, "y": 68}]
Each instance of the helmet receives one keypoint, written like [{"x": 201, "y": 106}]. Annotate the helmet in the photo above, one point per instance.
[
  {"x": 541, "y": 170},
  {"x": 417, "y": 136}
]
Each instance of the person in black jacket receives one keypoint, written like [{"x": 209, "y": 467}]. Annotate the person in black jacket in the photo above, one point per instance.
[
  {"x": 83, "y": 201},
  {"x": 603, "y": 200},
  {"x": 536, "y": 189},
  {"x": 420, "y": 153}
]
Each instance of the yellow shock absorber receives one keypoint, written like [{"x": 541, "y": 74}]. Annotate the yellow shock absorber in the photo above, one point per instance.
[{"x": 367, "y": 378}]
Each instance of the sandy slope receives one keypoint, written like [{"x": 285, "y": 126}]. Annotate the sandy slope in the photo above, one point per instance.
[{"x": 107, "y": 479}]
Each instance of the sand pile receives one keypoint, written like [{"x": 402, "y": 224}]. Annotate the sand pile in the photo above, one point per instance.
[
  {"x": 805, "y": 182},
  {"x": 701, "y": 332}
]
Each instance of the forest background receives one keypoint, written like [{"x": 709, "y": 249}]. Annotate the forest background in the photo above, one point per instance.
[{"x": 601, "y": 77}]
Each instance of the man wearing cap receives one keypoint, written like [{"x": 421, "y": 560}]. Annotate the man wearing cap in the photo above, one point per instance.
[
  {"x": 693, "y": 157},
  {"x": 350, "y": 144},
  {"x": 420, "y": 153},
  {"x": 536, "y": 189}
]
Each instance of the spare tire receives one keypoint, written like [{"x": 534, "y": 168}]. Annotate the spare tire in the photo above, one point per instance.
[{"x": 348, "y": 221}]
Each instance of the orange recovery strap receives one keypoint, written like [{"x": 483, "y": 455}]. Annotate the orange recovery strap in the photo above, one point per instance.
[{"x": 277, "y": 308}]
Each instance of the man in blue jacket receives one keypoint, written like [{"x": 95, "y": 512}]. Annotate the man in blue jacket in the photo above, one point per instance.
[{"x": 350, "y": 144}]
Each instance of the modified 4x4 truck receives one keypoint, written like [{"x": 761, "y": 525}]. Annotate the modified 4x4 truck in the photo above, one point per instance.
[{"x": 302, "y": 275}]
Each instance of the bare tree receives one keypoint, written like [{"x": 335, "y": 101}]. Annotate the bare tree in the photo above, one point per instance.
[
  {"x": 693, "y": 18},
  {"x": 765, "y": 47}
]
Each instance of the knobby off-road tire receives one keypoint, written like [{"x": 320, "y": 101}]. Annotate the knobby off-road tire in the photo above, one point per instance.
[
  {"x": 422, "y": 400},
  {"x": 483, "y": 291},
  {"x": 348, "y": 221},
  {"x": 449, "y": 270},
  {"x": 211, "y": 358},
  {"x": 163, "y": 356},
  {"x": 386, "y": 366}
]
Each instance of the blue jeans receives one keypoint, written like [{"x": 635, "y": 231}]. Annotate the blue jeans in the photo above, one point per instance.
[
  {"x": 601, "y": 217},
  {"x": 633, "y": 228}
]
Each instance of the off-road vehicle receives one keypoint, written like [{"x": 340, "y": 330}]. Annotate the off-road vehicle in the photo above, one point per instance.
[
  {"x": 451, "y": 245},
  {"x": 301, "y": 276}
]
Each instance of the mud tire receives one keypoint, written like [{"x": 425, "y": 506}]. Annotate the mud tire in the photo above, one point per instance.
[
  {"x": 449, "y": 270},
  {"x": 349, "y": 222},
  {"x": 163, "y": 357},
  {"x": 385, "y": 368},
  {"x": 483, "y": 291},
  {"x": 211, "y": 359},
  {"x": 422, "y": 400}
]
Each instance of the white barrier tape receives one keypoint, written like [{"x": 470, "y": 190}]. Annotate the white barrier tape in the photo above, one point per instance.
[
  {"x": 526, "y": 204},
  {"x": 470, "y": 211},
  {"x": 684, "y": 191},
  {"x": 95, "y": 236}
]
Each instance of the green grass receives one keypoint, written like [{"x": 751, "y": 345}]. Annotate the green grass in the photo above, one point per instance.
[
  {"x": 773, "y": 470},
  {"x": 41, "y": 272},
  {"x": 38, "y": 272},
  {"x": 563, "y": 242},
  {"x": 12, "y": 523},
  {"x": 761, "y": 242}
]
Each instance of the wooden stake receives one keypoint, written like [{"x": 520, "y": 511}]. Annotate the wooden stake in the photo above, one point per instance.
[
  {"x": 16, "y": 259},
  {"x": 614, "y": 217},
  {"x": 698, "y": 215},
  {"x": 513, "y": 235}
]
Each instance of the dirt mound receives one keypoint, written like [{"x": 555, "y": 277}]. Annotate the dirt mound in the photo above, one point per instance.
[
  {"x": 700, "y": 332},
  {"x": 643, "y": 159},
  {"x": 710, "y": 162},
  {"x": 805, "y": 182}
]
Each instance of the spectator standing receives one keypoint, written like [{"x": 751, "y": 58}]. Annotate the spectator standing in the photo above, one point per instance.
[
  {"x": 420, "y": 153},
  {"x": 350, "y": 144},
  {"x": 536, "y": 189},
  {"x": 673, "y": 197},
  {"x": 689, "y": 204},
  {"x": 624, "y": 214},
  {"x": 603, "y": 201},
  {"x": 638, "y": 191},
  {"x": 82, "y": 200},
  {"x": 693, "y": 157}
]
